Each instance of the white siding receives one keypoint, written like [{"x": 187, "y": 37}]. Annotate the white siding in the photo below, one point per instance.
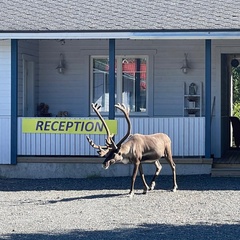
[
  {"x": 30, "y": 48},
  {"x": 187, "y": 135},
  {"x": 168, "y": 76},
  {"x": 5, "y": 102},
  {"x": 70, "y": 91}
]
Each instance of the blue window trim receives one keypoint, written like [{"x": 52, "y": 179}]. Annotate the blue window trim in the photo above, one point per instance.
[
  {"x": 14, "y": 86},
  {"x": 208, "y": 98},
  {"x": 111, "y": 78}
]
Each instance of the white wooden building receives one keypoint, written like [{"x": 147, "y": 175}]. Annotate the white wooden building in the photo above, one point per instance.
[{"x": 34, "y": 41}]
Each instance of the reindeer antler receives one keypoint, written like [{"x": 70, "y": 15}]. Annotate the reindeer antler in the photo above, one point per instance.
[
  {"x": 125, "y": 111},
  {"x": 110, "y": 144},
  {"x": 102, "y": 150}
]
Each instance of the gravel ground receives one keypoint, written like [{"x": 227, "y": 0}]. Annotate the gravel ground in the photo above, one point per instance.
[{"x": 99, "y": 208}]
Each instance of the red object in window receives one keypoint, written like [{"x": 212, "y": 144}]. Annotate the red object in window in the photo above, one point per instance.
[{"x": 130, "y": 68}]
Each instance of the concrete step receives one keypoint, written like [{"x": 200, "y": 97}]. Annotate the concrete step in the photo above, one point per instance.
[
  {"x": 226, "y": 165},
  {"x": 225, "y": 172}
]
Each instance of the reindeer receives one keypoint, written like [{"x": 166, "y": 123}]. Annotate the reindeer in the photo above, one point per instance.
[{"x": 137, "y": 149}]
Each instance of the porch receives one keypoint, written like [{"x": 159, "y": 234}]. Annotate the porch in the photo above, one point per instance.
[{"x": 227, "y": 165}]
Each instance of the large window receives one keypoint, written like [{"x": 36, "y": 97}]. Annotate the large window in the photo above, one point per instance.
[{"x": 130, "y": 82}]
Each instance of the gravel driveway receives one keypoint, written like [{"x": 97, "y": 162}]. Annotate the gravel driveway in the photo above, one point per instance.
[{"x": 99, "y": 208}]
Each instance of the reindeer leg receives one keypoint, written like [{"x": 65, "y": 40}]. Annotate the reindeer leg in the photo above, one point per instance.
[
  {"x": 173, "y": 167},
  {"x": 135, "y": 171},
  {"x": 146, "y": 187},
  {"x": 175, "y": 186},
  {"x": 158, "y": 170}
]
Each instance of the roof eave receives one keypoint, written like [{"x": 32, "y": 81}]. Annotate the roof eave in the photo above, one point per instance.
[{"x": 150, "y": 34}]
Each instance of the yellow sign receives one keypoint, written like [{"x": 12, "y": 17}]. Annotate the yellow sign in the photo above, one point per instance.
[{"x": 67, "y": 125}]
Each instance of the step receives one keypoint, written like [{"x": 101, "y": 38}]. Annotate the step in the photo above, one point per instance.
[
  {"x": 226, "y": 165},
  {"x": 225, "y": 172}
]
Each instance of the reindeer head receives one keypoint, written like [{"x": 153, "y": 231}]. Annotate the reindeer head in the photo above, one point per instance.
[
  {"x": 111, "y": 151},
  {"x": 114, "y": 156}
]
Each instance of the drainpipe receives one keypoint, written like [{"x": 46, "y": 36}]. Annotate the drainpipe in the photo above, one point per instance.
[
  {"x": 14, "y": 100},
  {"x": 207, "y": 98}
]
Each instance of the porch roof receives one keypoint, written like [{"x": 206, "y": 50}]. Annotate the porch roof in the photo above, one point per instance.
[{"x": 34, "y": 16}]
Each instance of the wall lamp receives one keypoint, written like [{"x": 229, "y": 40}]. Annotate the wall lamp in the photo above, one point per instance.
[
  {"x": 62, "y": 66},
  {"x": 185, "y": 67},
  {"x": 234, "y": 62}
]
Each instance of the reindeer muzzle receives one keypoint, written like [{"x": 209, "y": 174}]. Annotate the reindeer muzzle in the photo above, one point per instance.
[{"x": 107, "y": 164}]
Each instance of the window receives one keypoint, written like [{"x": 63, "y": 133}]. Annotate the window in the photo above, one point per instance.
[{"x": 131, "y": 82}]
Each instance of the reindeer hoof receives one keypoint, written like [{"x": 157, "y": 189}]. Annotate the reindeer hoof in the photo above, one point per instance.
[
  {"x": 131, "y": 194},
  {"x": 153, "y": 184},
  {"x": 175, "y": 189},
  {"x": 145, "y": 191}
]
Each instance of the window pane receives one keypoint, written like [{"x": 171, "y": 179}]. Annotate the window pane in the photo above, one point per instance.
[
  {"x": 100, "y": 82},
  {"x": 134, "y": 83}
]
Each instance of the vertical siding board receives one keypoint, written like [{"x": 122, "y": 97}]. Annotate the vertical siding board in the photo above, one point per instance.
[
  {"x": 190, "y": 139},
  {"x": 5, "y": 153},
  {"x": 185, "y": 137},
  {"x": 28, "y": 145},
  {"x": 72, "y": 147},
  {"x": 43, "y": 142},
  {"x": 81, "y": 146},
  {"x": 57, "y": 144},
  {"x": 20, "y": 135},
  {"x": 38, "y": 143},
  {"x": 202, "y": 137},
  {"x": 53, "y": 144},
  {"x": 180, "y": 137},
  {"x": 175, "y": 125},
  {"x": 63, "y": 141},
  {"x": 196, "y": 139}
]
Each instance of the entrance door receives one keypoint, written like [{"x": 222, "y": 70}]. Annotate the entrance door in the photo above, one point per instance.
[
  {"x": 235, "y": 101},
  {"x": 29, "y": 107},
  {"x": 225, "y": 102},
  {"x": 230, "y": 100}
]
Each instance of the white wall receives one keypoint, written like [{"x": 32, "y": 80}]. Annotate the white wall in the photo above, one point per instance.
[
  {"x": 70, "y": 91},
  {"x": 31, "y": 49}
]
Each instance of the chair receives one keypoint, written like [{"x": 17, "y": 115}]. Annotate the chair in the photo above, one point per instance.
[{"x": 236, "y": 130}]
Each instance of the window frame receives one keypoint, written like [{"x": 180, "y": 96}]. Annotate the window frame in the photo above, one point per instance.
[{"x": 119, "y": 83}]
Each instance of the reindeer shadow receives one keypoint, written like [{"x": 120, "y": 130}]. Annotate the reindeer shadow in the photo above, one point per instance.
[{"x": 89, "y": 197}]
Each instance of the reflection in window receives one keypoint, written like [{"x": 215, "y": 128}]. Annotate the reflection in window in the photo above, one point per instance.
[{"x": 131, "y": 82}]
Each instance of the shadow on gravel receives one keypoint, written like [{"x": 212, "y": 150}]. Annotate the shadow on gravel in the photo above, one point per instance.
[
  {"x": 201, "y": 231},
  {"x": 192, "y": 182},
  {"x": 97, "y": 196}
]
